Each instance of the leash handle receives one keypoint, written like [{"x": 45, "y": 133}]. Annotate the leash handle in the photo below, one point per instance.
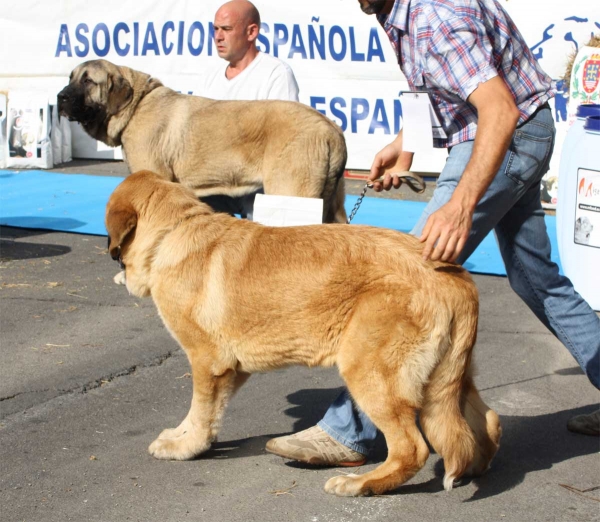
[{"x": 415, "y": 182}]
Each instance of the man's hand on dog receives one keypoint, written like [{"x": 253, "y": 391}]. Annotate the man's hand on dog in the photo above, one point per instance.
[{"x": 446, "y": 232}]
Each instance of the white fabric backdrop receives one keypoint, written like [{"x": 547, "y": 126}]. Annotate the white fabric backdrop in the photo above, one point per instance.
[{"x": 342, "y": 59}]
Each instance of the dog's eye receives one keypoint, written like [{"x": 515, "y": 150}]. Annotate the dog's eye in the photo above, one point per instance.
[{"x": 89, "y": 81}]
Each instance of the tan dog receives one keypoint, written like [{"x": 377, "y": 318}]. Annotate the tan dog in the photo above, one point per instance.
[
  {"x": 231, "y": 148},
  {"x": 241, "y": 298}
]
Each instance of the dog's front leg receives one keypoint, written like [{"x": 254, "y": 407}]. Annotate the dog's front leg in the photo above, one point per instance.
[
  {"x": 172, "y": 433},
  {"x": 201, "y": 425},
  {"x": 119, "y": 279}
]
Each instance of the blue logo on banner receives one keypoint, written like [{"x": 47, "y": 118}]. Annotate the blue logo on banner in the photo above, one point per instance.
[
  {"x": 127, "y": 39},
  {"x": 348, "y": 115},
  {"x": 288, "y": 42},
  {"x": 562, "y": 90}
]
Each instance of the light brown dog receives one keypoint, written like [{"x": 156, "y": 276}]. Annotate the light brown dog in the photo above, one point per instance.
[
  {"x": 240, "y": 298},
  {"x": 231, "y": 148}
]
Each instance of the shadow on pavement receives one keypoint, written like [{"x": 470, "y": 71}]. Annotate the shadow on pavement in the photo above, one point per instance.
[
  {"x": 309, "y": 405},
  {"x": 528, "y": 444},
  {"x": 532, "y": 444},
  {"x": 236, "y": 449},
  {"x": 43, "y": 224},
  {"x": 11, "y": 250}
]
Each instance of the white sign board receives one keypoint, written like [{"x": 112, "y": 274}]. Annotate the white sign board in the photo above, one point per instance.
[{"x": 287, "y": 211}]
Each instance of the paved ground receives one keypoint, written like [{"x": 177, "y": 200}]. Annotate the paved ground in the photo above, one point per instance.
[{"x": 89, "y": 377}]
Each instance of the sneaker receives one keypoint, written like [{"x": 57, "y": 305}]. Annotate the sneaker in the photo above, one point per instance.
[
  {"x": 586, "y": 424},
  {"x": 316, "y": 447}
]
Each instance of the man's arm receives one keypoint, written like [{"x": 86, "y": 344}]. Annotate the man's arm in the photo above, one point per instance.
[{"x": 447, "y": 229}]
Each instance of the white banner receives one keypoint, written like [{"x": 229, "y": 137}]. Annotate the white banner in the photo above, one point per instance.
[{"x": 342, "y": 59}]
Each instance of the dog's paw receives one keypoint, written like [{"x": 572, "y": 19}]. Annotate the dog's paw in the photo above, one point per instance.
[
  {"x": 182, "y": 448},
  {"x": 179, "y": 431},
  {"x": 346, "y": 486},
  {"x": 172, "y": 433},
  {"x": 119, "y": 279}
]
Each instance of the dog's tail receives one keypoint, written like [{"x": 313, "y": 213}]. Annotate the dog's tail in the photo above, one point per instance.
[
  {"x": 339, "y": 212},
  {"x": 457, "y": 423},
  {"x": 335, "y": 187}
]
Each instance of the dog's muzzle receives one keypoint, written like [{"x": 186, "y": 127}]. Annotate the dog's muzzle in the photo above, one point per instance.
[
  {"x": 63, "y": 101},
  {"x": 70, "y": 104},
  {"x": 117, "y": 256}
]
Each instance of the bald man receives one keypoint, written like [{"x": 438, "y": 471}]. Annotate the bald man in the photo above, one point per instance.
[{"x": 248, "y": 74}]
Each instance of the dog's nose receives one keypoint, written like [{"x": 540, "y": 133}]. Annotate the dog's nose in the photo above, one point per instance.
[{"x": 62, "y": 97}]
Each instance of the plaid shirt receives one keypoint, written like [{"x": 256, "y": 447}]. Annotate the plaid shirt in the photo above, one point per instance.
[{"x": 449, "y": 47}]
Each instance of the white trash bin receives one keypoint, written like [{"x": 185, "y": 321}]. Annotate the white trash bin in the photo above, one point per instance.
[
  {"x": 572, "y": 138},
  {"x": 578, "y": 213}
]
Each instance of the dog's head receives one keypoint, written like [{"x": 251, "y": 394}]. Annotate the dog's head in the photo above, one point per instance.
[
  {"x": 121, "y": 223},
  {"x": 140, "y": 212},
  {"x": 97, "y": 91}
]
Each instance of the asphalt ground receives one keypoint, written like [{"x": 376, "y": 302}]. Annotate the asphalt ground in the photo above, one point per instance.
[{"x": 89, "y": 377}]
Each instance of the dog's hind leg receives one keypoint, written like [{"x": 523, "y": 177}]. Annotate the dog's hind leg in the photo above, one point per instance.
[
  {"x": 485, "y": 424},
  {"x": 386, "y": 361},
  {"x": 463, "y": 430},
  {"x": 407, "y": 450},
  {"x": 459, "y": 426},
  {"x": 449, "y": 434},
  {"x": 314, "y": 168}
]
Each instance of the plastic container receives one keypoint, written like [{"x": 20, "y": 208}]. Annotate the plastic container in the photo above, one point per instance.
[
  {"x": 573, "y": 137},
  {"x": 578, "y": 212}
]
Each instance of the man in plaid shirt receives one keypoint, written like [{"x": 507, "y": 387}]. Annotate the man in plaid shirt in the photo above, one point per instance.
[{"x": 491, "y": 96}]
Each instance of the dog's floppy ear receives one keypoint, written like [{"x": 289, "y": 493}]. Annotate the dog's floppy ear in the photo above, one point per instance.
[
  {"x": 120, "y": 94},
  {"x": 121, "y": 220}
]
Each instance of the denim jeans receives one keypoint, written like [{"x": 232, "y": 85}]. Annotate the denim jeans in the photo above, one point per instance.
[{"x": 512, "y": 208}]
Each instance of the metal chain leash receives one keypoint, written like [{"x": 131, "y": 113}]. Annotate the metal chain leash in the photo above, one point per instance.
[
  {"x": 358, "y": 202},
  {"x": 414, "y": 182}
]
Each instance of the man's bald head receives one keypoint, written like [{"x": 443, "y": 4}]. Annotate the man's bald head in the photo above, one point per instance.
[
  {"x": 236, "y": 28},
  {"x": 241, "y": 10}
]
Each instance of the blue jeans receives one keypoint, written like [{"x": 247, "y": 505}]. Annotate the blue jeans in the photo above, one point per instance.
[{"x": 512, "y": 208}]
